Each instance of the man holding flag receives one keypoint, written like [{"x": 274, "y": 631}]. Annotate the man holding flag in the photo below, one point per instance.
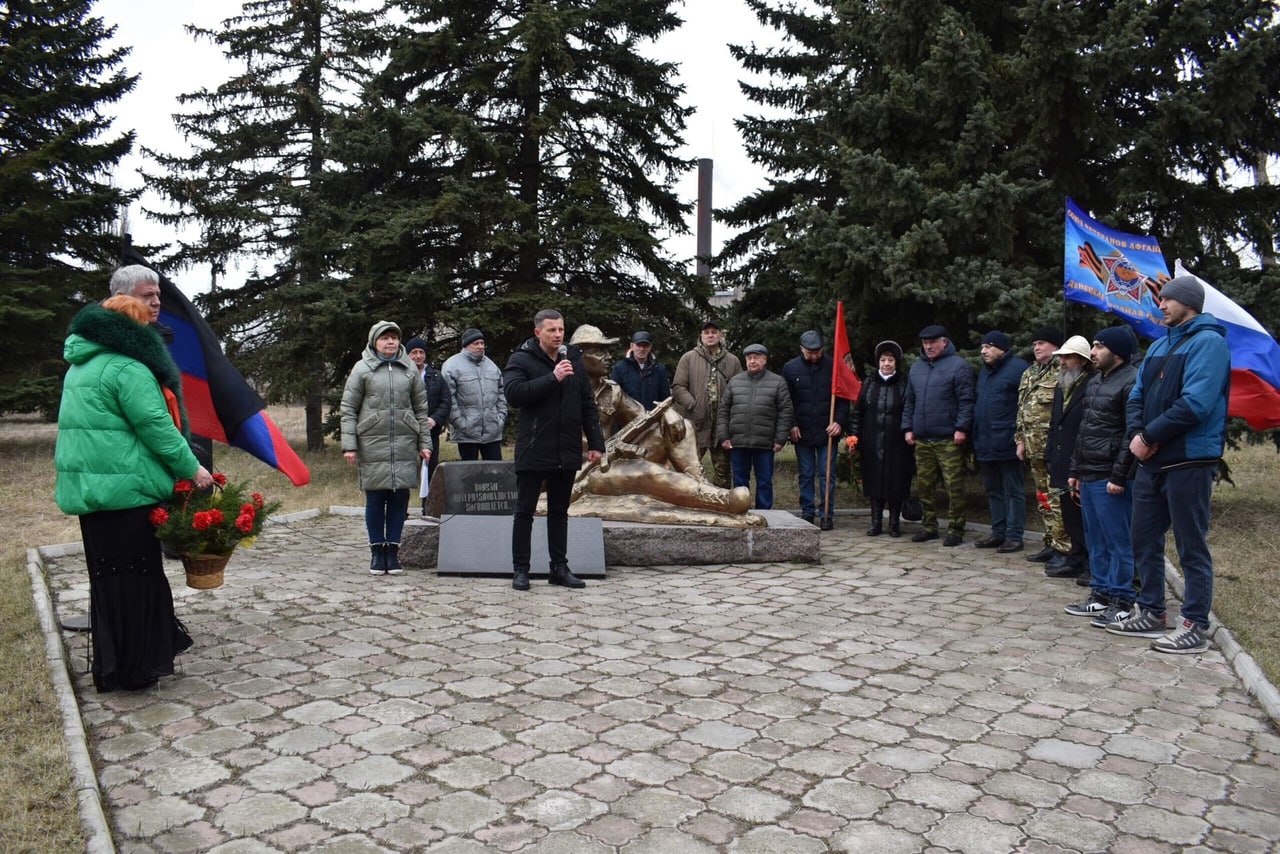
[{"x": 818, "y": 416}]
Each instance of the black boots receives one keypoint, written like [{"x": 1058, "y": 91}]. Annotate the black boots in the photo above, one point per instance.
[
  {"x": 520, "y": 578},
  {"x": 895, "y": 518},
  {"x": 392, "y": 559},
  {"x": 562, "y": 577},
  {"x": 877, "y": 514},
  {"x": 378, "y": 558}
]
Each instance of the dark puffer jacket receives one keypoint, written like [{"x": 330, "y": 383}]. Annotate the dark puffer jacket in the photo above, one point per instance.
[
  {"x": 995, "y": 414},
  {"x": 554, "y": 414},
  {"x": 646, "y": 384},
  {"x": 1064, "y": 428},
  {"x": 940, "y": 397},
  {"x": 756, "y": 411},
  {"x": 438, "y": 397},
  {"x": 888, "y": 463},
  {"x": 810, "y": 387},
  {"x": 1102, "y": 446}
]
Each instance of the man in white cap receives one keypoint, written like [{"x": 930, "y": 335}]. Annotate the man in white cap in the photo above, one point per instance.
[{"x": 1177, "y": 417}]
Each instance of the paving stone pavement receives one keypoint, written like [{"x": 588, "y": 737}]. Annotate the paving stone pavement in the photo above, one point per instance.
[{"x": 898, "y": 698}]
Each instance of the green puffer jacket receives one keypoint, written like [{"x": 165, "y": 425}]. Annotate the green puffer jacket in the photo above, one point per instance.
[
  {"x": 117, "y": 445},
  {"x": 384, "y": 417},
  {"x": 756, "y": 411}
]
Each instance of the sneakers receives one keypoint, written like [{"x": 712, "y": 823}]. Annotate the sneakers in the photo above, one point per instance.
[
  {"x": 1140, "y": 624},
  {"x": 1116, "y": 612},
  {"x": 1186, "y": 639},
  {"x": 1091, "y": 607}
]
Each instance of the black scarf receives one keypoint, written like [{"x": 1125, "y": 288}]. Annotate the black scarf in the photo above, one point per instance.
[{"x": 123, "y": 335}]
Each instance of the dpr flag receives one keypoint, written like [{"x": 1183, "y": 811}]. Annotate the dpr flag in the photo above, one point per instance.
[
  {"x": 1255, "y": 359},
  {"x": 220, "y": 404},
  {"x": 844, "y": 382},
  {"x": 1113, "y": 271}
]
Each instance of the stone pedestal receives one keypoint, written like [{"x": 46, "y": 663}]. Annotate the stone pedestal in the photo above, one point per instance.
[{"x": 787, "y": 539}]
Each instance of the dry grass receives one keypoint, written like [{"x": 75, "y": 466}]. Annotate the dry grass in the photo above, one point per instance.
[{"x": 37, "y": 803}]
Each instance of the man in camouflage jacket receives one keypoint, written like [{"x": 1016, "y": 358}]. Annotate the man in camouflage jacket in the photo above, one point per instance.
[{"x": 1035, "y": 404}]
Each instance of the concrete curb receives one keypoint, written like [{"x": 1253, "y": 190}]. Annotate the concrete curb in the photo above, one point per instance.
[{"x": 92, "y": 817}]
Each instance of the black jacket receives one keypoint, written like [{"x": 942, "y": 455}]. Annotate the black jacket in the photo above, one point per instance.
[
  {"x": 888, "y": 463},
  {"x": 1064, "y": 426},
  {"x": 438, "y": 398},
  {"x": 554, "y": 414},
  {"x": 810, "y": 387},
  {"x": 647, "y": 385},
  {"x": 1102, "y": 446}
]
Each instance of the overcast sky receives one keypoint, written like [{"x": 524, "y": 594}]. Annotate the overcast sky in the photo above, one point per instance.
[{"x": 170, "y": 62}]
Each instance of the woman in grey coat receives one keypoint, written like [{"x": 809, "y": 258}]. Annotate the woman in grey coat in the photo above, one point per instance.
[{"x": 385, "y": 430}]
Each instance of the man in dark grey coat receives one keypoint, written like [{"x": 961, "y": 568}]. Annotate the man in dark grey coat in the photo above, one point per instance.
[{"x": 754, "y": 419}]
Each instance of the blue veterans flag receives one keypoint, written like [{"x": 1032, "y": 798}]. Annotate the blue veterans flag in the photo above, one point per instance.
[{"x": 1114, "y": 271}]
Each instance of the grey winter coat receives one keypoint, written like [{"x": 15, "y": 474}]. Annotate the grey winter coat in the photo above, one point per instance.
[
  {"x": 477, "y": 406},
  {"x": 756, "y": 411},
  {"x": 384, "y": 417}
]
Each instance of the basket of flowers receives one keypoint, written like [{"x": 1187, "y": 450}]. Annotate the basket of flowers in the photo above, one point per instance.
[{"x": 205, "y": 526}]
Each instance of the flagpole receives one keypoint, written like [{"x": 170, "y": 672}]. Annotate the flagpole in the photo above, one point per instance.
[{"x": 827, "y": 489}]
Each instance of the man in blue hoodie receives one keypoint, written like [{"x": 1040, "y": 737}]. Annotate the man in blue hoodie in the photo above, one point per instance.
[
  {"x": 937, "y": 420},
  {"x": 1177, "y": 420}
]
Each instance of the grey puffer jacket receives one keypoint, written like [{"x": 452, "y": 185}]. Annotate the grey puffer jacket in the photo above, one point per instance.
[
  {"x": 756, "y": 411},
  {"x": 384, "y": 417},
  {"x": 477, "y": 407}
]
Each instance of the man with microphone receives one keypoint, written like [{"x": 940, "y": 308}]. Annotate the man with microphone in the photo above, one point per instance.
[{"x": 548, "y": 383}]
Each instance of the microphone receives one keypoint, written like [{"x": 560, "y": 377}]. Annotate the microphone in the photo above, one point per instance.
[{"x": 562, "y": 353}]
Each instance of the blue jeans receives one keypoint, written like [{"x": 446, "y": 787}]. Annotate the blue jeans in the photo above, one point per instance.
[
  {"x": 384, "y": 512},
  {"x": 1006, "y": 490},
  {"x": 1179, "y": 499},
  {"x": 1109, "y": 539},
  {"x": 743, "y": 461},
  {"x": 812, "y": 463}
]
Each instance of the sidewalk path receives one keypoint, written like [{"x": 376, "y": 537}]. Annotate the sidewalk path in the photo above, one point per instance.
[{"x": 901, "y": 697}]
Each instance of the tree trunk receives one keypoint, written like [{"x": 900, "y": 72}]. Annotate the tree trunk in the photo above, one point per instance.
[{"x": 315, "y": 422}]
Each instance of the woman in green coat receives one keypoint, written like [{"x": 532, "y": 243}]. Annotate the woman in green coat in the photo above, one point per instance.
[
  {"x": 118, "y": 456},
  {"x": 385, "y": 430}
]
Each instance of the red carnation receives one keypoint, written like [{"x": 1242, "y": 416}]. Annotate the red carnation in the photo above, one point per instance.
[
  {"x": 258, "y": 500},
  {"x": 183, "y": 487},
  {"x": 219, "y": 478},
  {"x": 248, "y": 509},
  {"x": 159, "y": 516},
  {"x": 200, "y": 521},
  {"x": 216, "y": 517},
  {"x": 245, "y": 523}
]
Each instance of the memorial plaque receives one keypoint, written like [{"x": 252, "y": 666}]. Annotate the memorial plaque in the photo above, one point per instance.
[
  {"x": 473, "y": 488},
  {"x": 481, "y": 545}
]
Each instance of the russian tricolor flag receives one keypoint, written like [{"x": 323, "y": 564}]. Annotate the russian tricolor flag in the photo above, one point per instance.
[
  {"x": 1255, "y": 359},
  {"x": 220, "y": 404}
]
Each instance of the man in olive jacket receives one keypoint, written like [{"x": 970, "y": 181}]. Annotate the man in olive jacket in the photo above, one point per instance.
[
  {"x": 698, "y": 386},
  {"x": 755, "y": 417},
  {"x": 547, "y": 381}
]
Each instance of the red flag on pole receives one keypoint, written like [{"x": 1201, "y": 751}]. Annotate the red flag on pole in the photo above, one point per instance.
[{"x": 844, "y": 382}]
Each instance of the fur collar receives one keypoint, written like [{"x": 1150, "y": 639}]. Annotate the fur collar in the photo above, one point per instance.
[{"x": 122, "y": 335}]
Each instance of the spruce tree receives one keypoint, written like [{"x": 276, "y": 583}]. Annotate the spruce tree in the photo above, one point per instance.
[
  {"x": 924, "y": 149},
  {"x": 255, "y": 183},
  {"x": 519, "y": 154},
  {"x": 57, "y": 202}
]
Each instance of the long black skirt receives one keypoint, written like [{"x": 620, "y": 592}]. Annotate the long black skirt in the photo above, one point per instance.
[{"x": 135, "y": 633}]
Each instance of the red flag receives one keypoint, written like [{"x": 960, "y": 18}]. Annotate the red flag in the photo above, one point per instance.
[{"x": 844, "y": 382}]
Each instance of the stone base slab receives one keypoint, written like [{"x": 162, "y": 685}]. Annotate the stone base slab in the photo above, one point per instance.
[{"x": 787, "y": 539}]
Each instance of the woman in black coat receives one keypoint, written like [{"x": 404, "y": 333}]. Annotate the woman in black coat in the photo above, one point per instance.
[{"x": 888, "y": 463}]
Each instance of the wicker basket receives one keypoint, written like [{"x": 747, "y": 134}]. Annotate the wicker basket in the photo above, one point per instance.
[{"x": 204, "y": 572}]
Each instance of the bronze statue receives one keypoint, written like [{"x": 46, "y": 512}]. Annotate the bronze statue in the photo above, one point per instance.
[{"x": 650, "y": 471}]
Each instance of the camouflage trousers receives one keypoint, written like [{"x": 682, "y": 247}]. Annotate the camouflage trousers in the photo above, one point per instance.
[
  {"x": 941, "y": 459},
  {"x": 718, "y": 472},
  {"x": 1055, "y": 532}
]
